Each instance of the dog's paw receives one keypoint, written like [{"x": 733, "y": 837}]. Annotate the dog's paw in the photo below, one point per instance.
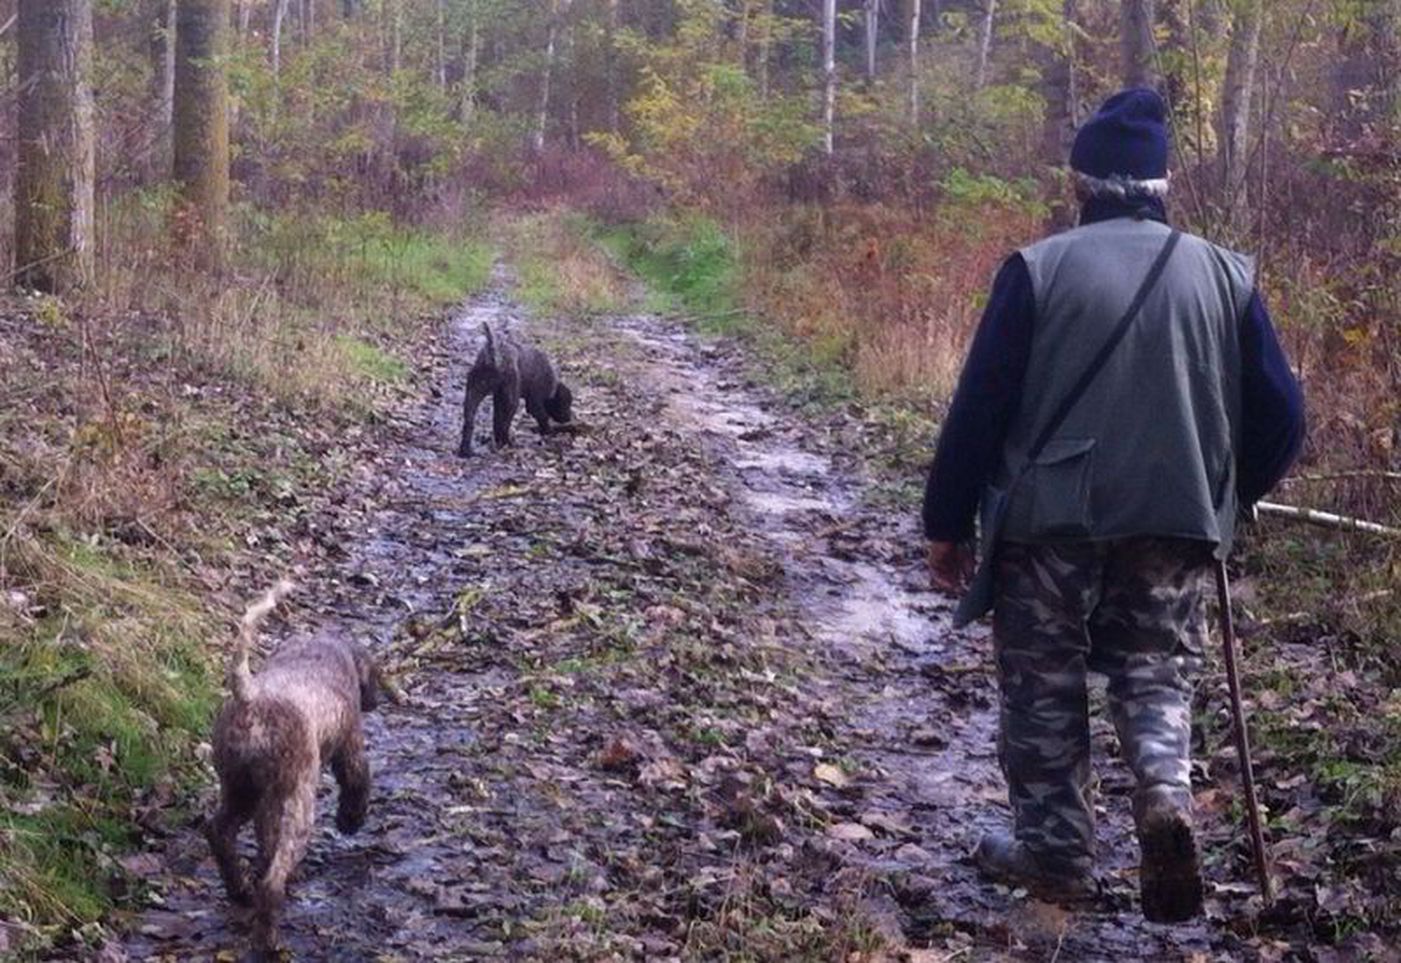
[{"x": 348, "y": 823}]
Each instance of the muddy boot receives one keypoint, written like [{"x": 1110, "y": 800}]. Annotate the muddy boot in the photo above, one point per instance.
[
  {"x": 1003, "y": 859},
  {"x": 1170, "y": 875}
]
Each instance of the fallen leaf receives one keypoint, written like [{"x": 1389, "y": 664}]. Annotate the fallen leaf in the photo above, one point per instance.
[{"x": 850, "y": 832}]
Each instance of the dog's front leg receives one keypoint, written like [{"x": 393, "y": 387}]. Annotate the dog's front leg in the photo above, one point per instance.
[
  {"x": 503, "y": 404},
  {"x": 351, "y": 768},
  {"x": 537, "y": 410},
  {"x": 477, "y": 390}
]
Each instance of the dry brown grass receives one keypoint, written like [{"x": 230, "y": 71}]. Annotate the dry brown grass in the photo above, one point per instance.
[
  {"x": 560, "y": 271},
  {"x": 894, "y": 298}
]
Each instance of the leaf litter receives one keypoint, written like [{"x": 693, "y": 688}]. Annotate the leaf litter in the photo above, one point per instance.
[{"x": 666, "y": 689}]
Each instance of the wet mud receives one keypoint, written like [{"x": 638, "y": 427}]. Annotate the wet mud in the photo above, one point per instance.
[{"x": 672, "y": 687}]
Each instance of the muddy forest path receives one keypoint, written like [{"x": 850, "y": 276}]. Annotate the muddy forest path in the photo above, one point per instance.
[{"x": 671, "y": 688}]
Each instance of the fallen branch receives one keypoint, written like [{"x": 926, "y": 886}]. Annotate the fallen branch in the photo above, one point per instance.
[
  {"x": 1392, "y": 476},
  {"x": 1328, "y": 519}
]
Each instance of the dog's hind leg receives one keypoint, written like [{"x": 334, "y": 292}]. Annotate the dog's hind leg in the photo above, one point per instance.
[
  {"x": 352, "y": 771},
  {"x": 479, "y": 385},
  {"x": 222, "y": 832},
  {"x": 284, "y": 830}
]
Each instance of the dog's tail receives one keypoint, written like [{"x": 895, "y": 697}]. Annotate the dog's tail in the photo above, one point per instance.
[
  {"x": 240, "y": 678},
  {"x": 490, "y": 343}
]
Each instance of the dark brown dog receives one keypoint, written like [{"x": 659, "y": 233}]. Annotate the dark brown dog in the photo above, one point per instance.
[
  {"x": 512, "y": 372},
  {"x": 272, "y": 736}
]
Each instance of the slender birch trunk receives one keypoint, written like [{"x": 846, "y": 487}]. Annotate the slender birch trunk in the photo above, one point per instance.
[
  {"x": 765, "y": 45},
  {"x": 470, "y": 56},
  {"x": 440, "y": 67},
  {"x": 1233, "y": 120},
  {"x": 279, "y": 17},
  {"x": 611, "y": 43},
  {"x": 542, "y": 108},
  {"x": 161, "y": 46},
  {"x": 914, "y": 63},
  {"x": 829, "y": 74},
  {"x": 872, "y": 25},
  {"x": 985, "y": 43}
]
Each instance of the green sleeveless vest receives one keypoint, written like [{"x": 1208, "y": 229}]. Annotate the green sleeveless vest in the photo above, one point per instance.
[{"x": 1149, "y": 448}]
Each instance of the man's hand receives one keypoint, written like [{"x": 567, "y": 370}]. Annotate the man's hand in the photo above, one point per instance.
[{"x": 950, "y": 566}]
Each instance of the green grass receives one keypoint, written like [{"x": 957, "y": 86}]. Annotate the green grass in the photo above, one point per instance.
[
  {"x": 694, "y": 269},
  {"x": 101, "y": 700},
  {"x": 372, "y": 362},
  {"x": 430, "y": 268},
  {"x": 691, "y": 265}
]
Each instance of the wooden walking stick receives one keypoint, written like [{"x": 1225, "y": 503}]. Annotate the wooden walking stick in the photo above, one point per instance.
[{"x": 1247, "y": 773}]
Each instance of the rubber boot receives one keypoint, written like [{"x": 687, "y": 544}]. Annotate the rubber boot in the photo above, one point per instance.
[
  {"x": 1006, "y": 860},
  {"x": 1170, "y": 873}
]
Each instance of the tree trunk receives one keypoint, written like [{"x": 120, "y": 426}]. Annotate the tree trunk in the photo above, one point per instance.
[
  {"x": 542, "y": 108},
  {"x": 1058, "y": 90},
  {"x": 829, "y": 74},
  {"x": 914, "y": 63},
  {"x": 1366, "y": 73},
  {"x": 985, "y": 44},
  {"x": 572, "y": 61},
  {"x": 160, "y": 18},
  {"x": 441, "y": 64},
  {"x": 202, "y": 122},
  {"x": 765, "y": 45},
  {"x": 742, "y": 33},
  {"x": 55, "y": 173},
  {"x": 279, "y": 17},
  {"x": 611, "y": 45},
  {"x": 872, "y": 23},
  {"x": 1136, "y": 43},
  {"x": 1071, "y": 12},
  {"x": 392, "y": 31},
  {"x": 470, "y": 56},
  {"x": 1233, "y": 120}
]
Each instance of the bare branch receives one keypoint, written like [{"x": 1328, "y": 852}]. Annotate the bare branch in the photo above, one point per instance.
[{"x": 1328, "y": 519}]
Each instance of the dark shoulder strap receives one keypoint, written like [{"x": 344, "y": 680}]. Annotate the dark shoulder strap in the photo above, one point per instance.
[{"x": 1107, "y": 349}]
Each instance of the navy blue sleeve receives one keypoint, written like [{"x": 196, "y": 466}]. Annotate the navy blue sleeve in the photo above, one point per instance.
[
  {"x": 1272, "y": 407},
  {"x": 988, "y": 395}
]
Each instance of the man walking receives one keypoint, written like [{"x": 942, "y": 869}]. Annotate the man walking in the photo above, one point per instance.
[{"x": 1124, "y": 396}]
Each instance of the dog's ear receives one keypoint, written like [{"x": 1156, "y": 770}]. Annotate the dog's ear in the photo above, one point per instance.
[
  {"x": 561, "y": 404},
  {"x": 370, "y": 678}
]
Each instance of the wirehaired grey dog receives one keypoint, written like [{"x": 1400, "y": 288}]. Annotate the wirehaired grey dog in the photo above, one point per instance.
[
  {"x": 511, "y": 372},
  {"x": 271, "y": 737}
]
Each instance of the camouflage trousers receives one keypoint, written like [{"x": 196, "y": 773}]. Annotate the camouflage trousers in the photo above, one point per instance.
[{"x": 1132, "y": 609}]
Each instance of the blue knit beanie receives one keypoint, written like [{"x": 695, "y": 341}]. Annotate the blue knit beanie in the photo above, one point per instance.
[{"x": 1127, "y": 137}]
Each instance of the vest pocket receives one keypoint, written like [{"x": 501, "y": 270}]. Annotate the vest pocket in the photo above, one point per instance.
[{"x": 1060, "y": 489}]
